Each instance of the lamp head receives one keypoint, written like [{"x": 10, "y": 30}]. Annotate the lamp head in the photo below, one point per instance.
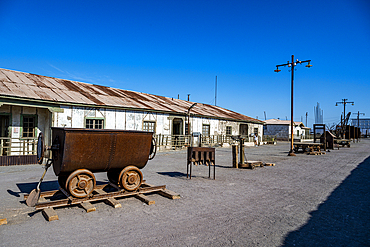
[
  {"x": 336, "y": 104},
  {"x": 308, "y": 65},
  {"x": 277, "y": 70}
]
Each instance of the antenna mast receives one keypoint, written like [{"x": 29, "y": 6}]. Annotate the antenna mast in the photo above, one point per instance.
[{"x": 216, "y": 91}]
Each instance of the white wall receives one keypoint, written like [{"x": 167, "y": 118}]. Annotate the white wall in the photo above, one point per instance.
[{"x": 133, "y": 120}]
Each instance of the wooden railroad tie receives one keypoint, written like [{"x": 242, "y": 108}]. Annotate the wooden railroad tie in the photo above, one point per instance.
[
  {"x": 58, "y": 198},
  {"x": 50, "y": 214}
]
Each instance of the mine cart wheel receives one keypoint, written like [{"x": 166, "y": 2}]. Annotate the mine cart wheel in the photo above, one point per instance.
[
  {"x": 153, "y": 149},
  {"x": 80, "y": 183},
  {"x": 130, "y": 178},
  {"x": 113, "y": 176},
  {"x": 40, "y": 148}
]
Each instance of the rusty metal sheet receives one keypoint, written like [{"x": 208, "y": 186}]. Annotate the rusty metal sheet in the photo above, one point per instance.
[
  {"x": 78, "y": 98},
  {"x": 16, "y": 90},
  {"x": 39, "y": 81},
  {"x": 48, "y": 94},
  {"x": 3, "y": 77},
  {"x": 12, "y": 76},
  {"x": 113, "y": 101},
  {"x": 29, "y": 90},
  {"x": 56, "y": 83},
  {"x": 5, "y": 90},
  {"x": 93, "y": 89},
  {"x": 62, "y": 94},
  {"x": 25, "y": 80}
]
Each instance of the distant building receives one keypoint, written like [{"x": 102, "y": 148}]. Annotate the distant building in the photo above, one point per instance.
[
  {"x": 319, "y": 114},
  {"x": 364, "y": 125},
  {"x": 281, "y": 129}
]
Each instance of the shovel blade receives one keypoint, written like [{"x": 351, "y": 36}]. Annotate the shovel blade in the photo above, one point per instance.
[{"x": 33, "y": 198}]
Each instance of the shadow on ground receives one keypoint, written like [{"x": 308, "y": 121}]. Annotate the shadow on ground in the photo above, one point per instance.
[
  {"x": 172, "y": 174},
  {"x": 343, "y": 219},
  {"x": 26, "y": 188}
]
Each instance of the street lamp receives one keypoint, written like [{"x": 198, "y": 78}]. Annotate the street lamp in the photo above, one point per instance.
[
  {"x": 344, "y": 102},
  {"x": 188, "y": 114},
  {"x": 292, "y": 65}
]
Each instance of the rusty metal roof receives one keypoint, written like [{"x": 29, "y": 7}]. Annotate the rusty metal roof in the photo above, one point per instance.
[
  {"x": 28, "y": 86},
  {"x": 281, "y": 122}
]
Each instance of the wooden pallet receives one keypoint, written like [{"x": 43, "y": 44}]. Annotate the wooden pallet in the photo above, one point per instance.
[
  {"x": 253, "y": 164},
  {"x": 316, "y": 153},
  {"x": 106, "y": 192}
]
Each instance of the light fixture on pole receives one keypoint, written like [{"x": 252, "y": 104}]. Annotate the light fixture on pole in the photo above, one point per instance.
[
  {"x": 188, "y": 114},
  {"x": 292, "y": 65},
  {"x": 344, "y": 102}
]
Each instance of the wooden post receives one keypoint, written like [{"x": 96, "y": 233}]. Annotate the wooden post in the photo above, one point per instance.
[
  {"x": 241, "y": 151},
  {"x": 235, "y": 156}
]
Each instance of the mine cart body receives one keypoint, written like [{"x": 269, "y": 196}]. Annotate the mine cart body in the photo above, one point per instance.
[{"x": 98, "y": 150}]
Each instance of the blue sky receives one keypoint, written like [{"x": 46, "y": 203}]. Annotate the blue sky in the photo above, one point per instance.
[{"x": 179, "y": 47}]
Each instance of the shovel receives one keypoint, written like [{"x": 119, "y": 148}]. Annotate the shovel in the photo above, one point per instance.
[{"x": 34, "y": 196}]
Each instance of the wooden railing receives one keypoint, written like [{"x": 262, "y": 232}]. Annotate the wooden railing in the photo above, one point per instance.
[
  {"x": 182, "y": 141},
  {"x": 16, "y": 146}
]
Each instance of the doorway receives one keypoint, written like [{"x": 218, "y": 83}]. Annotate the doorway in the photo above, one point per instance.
[
  {"x": 243, "y": 129},
  {"x": 177, "y": 126},
  {"x": 4, "y": 132}
]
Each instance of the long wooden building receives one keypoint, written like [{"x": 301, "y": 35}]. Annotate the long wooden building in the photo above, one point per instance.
[{"x": 31, "y": 103}]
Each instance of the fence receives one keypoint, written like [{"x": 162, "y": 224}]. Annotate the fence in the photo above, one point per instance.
[
  {"x": 15, "y": 146},
  {"x": 181, "y": 141}
]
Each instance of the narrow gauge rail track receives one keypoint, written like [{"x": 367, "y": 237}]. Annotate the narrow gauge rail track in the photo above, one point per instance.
[{"x": 104, "y": 192}]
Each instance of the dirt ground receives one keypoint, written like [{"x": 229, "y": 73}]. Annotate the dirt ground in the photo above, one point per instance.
[{"x": 307, "y": 200}]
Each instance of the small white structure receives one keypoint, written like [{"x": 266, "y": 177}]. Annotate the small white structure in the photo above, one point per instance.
[
  {"x": 32, "y": 103},
  {"x": 281, "y": 129}
]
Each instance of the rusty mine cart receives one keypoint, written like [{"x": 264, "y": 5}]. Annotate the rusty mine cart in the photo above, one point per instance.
[{"x": 79, "y": 153}]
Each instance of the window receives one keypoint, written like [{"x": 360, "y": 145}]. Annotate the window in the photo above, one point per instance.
[
  {"x": 206, "y": 130},
  {"x": 256, "y": 131},
  {"x": 94, "y": 123},
  {"x": 229, "y": 130},
  {"x": 28, "y": 126},
  {"x": 149, "y": 126}
]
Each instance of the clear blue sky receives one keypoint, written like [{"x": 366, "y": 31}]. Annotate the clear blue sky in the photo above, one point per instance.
[{"x": 179, "y": 47}]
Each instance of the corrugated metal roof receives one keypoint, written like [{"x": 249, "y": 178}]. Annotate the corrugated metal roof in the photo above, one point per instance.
[
  {"x": 281, "y": 122},
  {"x": 30, "y": 86}
]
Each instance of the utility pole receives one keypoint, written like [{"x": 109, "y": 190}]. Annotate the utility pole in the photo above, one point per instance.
[
  {"x": 344, "y": 102},
  {"x": 358, "y": 124},
  {"x": 264, "y": 112},
  {"x": 306, "y": 118},
  {"x": 292, "y": 65},
  {"x": 216, "y": 92}
]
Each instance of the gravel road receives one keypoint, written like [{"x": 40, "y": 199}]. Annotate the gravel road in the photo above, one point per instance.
[{"x": 307, "y": 200}]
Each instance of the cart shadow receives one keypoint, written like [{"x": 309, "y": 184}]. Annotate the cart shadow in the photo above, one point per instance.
[
  {"x": 26, "y": 188},
  {"x": 343, "y": 219},
  {"x": 173, "y": 174}
]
